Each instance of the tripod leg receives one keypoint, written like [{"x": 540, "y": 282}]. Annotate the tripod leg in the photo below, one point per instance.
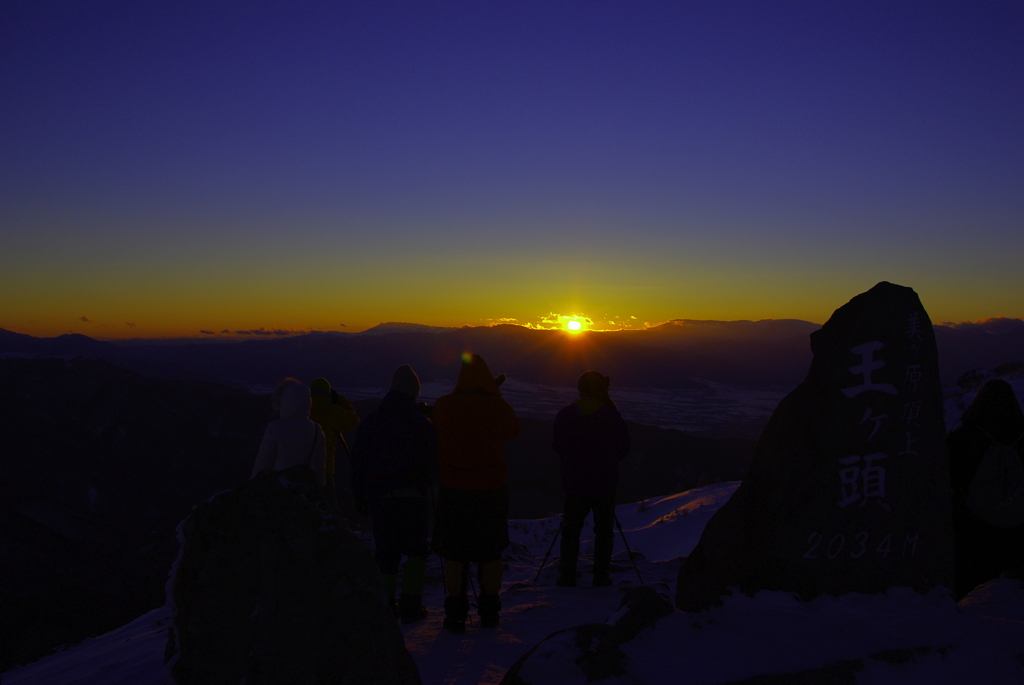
[
  {"x": 550, "y": 547},
  {"x": 628, "y": 551}
]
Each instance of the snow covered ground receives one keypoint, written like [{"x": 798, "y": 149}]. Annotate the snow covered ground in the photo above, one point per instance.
[{"x": 979, "y": 641}]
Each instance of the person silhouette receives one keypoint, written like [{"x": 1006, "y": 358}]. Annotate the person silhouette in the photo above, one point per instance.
[
  {"x": 590, "y": 437},
  {"x": 983, "y": 551},
  {"x": 336, "y": 415},
  {"x": 292, "y": 439},
  {"x": 472, "y": 509},
  {"x": 394, "y": 464}
]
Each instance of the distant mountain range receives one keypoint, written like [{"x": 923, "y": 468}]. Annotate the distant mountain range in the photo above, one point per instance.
[{"x": 768, "y": 353}]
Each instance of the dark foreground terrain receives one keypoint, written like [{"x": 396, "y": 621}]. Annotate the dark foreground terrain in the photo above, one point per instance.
[{"x": 98, "y": 465}]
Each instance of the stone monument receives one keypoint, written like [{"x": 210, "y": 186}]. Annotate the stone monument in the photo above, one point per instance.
[{"x": 848, "y": 490}]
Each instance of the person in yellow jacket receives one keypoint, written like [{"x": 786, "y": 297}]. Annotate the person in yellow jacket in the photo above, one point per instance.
[
  {"x": 336, "y": 415},
  {"x": 472, "y": 505}
]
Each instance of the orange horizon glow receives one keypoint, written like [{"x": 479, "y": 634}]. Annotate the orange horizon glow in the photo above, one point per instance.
[{"x": 574, "y": 325}]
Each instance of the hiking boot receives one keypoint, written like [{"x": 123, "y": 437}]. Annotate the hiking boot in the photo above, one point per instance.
[
  {"x": 488, "y": 606},
  {"x": 565, "y": 580},
  {"x": 602, "y": 580},
  {"x": 411, "y": 609},
  {"x": 456, "y": 611}
]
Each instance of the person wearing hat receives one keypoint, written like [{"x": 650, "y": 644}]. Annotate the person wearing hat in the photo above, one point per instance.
[
  {"x": 394, "y": 463},
  {"x": 590, "y": 438},
  {"x": 292, "y": 439},
  {"x": 472, "y": 507},
  {"x": 336, "y": 415}
]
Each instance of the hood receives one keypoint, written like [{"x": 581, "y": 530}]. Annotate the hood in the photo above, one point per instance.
[
  {"x": 474, "y": 376},
  {"x": 405, "y": 381},
  {"x": 295, "y": 401},
  {"x": 997, "y": 411},
  {"x": 320, "y": 387},
  {"x": 593, "y": 388}
]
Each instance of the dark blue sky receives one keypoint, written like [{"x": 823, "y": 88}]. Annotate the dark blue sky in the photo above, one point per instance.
[{"x": 700, "y": 160}]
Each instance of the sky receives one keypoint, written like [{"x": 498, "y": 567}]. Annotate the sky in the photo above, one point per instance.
[{"x": 171, "y": 167}]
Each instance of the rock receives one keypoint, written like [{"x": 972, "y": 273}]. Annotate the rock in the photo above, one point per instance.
[
  {"x": 848, "y": 490},
  {"x": 594, "y": 648},
  {"x": 845, "y": 672},
  {"x": 270, "y": 587},
  {"x": 98, "y": 466}
]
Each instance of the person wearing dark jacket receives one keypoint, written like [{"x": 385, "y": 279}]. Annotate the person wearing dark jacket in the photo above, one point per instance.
[
  {"x": 472, "y": 507},
  {"x": 394, "y": 463},
  {"x": 590, "y": 438},
  {"x": 983, "y": 551}
]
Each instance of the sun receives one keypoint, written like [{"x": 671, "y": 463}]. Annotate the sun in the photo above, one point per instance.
[{"x": 574, "y": 325}]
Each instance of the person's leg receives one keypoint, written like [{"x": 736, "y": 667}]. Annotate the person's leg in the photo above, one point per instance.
[
  {"x": 574, "y": 514},
  {"x": 490, "y": 577},
  {"x": 456, "y": 605},
  {"x": 413, "y": 542},
  {"x": 456, "y": 577},
  {"x": 604, "y": 537},
  {"x": 330, "y": 492},
  {"x": 385, "y": 539},
  {"x": 490, "y": 585}
]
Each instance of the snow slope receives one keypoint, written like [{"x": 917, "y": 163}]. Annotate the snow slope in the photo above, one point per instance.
[{"x": 982, "y": 640}]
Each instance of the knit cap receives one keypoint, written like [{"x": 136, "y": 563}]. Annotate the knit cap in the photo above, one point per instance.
[
  {"x": 405, "y": 381},
  {"x": 593, "y": 383}
]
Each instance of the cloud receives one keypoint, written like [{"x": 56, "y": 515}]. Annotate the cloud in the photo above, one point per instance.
[
  {"x": 129, "y": 324},
  {"x": 632, "y": 317},
  {"x": 343, "y": 325},
  {"x": 993, "y": 325},
  {"x": 271, "y": 331},
  {"x": 207, "y": 332},
  {"x": 85, "y": 319},
  {"x": 555, "y": 321},
  {"x": 263, "y": 330}
]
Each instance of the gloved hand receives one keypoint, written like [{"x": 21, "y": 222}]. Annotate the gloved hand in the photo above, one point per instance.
[{"x": 361, "y": 505}]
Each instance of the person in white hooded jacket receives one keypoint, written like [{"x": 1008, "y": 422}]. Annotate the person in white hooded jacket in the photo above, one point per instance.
[{"x": 292, "y": 439}]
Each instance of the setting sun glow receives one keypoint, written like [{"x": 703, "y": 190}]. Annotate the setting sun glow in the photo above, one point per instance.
[{"x": 574, "y": 325}]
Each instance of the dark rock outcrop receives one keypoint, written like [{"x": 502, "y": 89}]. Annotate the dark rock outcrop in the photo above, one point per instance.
[
  {"x": 848, "y": 490},
  {"x": 595, "y": 646},
  {"x": 270, "y": 587},
  {"x": 842, "y": 672},
  {"x": 98, "y": 465}
]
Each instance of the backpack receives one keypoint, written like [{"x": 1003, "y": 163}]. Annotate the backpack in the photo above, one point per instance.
[{"x": 996, "y": 495}]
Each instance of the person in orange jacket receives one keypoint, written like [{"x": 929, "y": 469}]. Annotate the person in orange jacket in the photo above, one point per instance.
[{"x": 472, "y": 508}]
